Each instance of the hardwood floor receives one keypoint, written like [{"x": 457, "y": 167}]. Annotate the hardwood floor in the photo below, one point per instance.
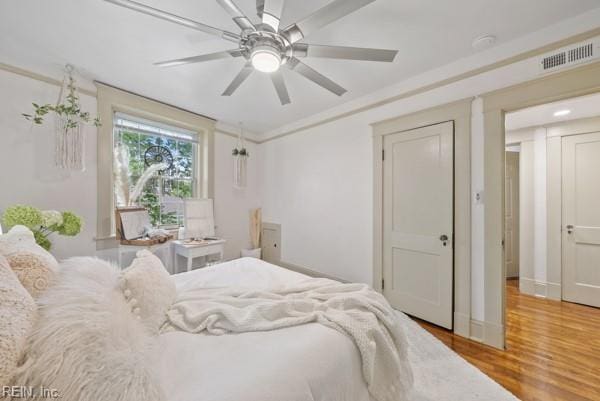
[{"x": 553, "y": 349}]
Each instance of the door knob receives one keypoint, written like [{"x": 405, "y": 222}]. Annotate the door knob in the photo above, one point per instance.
[
  {"x": 444, "y": 239},
  {"x": 570, "y": 229}
]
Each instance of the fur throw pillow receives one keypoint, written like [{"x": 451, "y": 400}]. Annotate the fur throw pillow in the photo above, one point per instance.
[
  {"x": 35, "y": 267},
  {"x": 17, "y": 316},
  {"x": 149, "y": 290},
  {"x": 86, "y": 344}
]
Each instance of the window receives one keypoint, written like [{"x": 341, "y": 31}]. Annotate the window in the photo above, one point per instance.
[{"x": 147, "y": 143}]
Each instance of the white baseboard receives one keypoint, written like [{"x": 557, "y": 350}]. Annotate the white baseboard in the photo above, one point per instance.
[
  {"x": 493, "y": 335},
  {"x": 476, "y": 330},
  {"x": 527, "y": 286},
  {"x": 308, "y": 272},
  {"x": 461, "y": 325},
  {"x": 540, "y": 289},
  {"x": 554, "y": 291}
]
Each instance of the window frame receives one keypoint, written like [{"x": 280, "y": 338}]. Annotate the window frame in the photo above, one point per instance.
[
  {"x": 164, "y": 131},
  {"x": 112, "y": 100}
]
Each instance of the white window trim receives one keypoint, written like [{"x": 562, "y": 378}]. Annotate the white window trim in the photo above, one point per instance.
[{"x": 112, "y": 100}]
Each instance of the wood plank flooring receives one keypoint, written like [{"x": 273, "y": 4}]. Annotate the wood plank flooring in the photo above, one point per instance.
[{"x": 553, "y": 349}]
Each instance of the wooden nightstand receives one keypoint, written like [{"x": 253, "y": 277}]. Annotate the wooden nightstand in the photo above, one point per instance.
[{"x": 192, "y": 250}]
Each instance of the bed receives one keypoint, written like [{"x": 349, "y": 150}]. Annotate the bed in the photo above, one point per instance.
[
  {"x": 88, "y": 309},
  {"x": 319, "y": 364}
]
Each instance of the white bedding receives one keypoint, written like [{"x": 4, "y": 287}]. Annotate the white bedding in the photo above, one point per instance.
[{"x": 302, "y": 363}]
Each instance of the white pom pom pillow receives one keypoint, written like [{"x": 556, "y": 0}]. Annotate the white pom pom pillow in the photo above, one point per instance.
[
  {"x": 17, "y": 316},
  {"x": 148, "y": 289},
  {"x": 35, "y": 267}
]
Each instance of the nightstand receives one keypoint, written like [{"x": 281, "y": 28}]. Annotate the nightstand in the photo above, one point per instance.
[{"x": 195, "y": 249}]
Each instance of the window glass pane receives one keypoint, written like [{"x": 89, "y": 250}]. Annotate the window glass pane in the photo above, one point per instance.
[{"x": 147, "y": 144}]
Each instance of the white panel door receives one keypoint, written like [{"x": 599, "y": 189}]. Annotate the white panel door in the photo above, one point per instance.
[
  {"x": 511, "y": 214},
  {"x": 418, "y": 222},
  {"x": 581, "y": 219}
]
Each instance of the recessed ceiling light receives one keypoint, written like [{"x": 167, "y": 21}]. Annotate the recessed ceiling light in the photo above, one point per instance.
[
  {"x": 483, "y": 41},
  {"x": 562, "y": 113}
]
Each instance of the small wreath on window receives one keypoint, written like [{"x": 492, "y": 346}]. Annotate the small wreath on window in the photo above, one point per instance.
[{"x": 158, "y": 154}]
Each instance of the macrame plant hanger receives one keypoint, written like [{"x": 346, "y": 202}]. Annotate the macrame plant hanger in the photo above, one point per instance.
[
  {"x": 240, "y": 158},
  {"x": 69, "y": 138}
]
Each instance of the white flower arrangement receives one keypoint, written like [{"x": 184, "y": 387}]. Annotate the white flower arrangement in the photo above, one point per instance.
[{"x": 51, "y": 218}]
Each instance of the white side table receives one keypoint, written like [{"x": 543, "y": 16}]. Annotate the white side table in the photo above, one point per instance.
[{"x": 190, "y": 251}]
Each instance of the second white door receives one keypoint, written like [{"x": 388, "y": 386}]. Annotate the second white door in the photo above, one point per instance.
[
  {"x": 581, "y": 219},
  {"x": 418, "y": 222}
]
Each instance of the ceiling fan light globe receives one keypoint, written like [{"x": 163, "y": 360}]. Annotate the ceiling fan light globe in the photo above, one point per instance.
[{"x": 266, "y": 59}]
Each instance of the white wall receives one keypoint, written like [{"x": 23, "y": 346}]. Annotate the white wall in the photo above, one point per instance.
[
  {"x": 327, "y": 225},
  {"x": 527, "y": 217},
  {"x": 317, "y": 185},
  {"x": 540, "y": 209},
  {"x": 232, "y": 206},
  {"x": 27, "y": 171},
  {"x": 28, "y": 174},
  {"x": 477, "y": 210},
  {"x": 333, "y": 161}
]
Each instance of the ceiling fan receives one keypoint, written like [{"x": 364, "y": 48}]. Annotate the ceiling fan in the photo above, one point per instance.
[{"x": 266, "y": 47}]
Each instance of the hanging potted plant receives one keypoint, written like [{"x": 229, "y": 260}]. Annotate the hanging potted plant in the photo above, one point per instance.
[
  {"x": 240, "y": 157},
  {"x": 69, "y": 118}
]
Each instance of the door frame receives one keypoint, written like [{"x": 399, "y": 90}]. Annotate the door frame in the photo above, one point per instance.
[
  {"x": 571, "y": 83},
  {"x": 460, "y": 113}
]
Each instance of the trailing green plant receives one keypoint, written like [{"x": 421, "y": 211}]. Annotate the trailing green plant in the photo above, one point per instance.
[
  {"x": 42, "y": 223},
  {"x": 69, "y": 110}
]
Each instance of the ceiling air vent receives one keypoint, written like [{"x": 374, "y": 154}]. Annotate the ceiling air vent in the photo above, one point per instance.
[{"x": 570, "y": 56}]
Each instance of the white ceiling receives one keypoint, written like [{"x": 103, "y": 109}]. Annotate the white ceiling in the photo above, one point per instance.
[
  {"x": 118, "y": 46},
  {"x": 580, "y": 107}
]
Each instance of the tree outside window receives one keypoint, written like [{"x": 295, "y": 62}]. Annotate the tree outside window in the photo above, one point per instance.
[{"x": 163, "y": 194}]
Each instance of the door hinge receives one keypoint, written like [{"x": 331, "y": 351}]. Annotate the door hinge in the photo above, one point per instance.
[
  {"x": 383, "y": 155},
  {"x": 382, "y": 284}
]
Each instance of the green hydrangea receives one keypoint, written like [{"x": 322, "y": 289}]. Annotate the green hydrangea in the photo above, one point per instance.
[
  {"x": 71, "y": 225},
  {"x": 42, "y": 240},
  {"x": 27, "y": 216}
]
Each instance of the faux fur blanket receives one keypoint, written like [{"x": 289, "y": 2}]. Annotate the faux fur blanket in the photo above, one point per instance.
[
  {"x": 352, "y": 309},
  {"x": 86, "y": 344}
]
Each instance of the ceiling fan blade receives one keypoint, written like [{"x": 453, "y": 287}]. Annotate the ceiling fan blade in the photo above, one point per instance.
[
  {"x": 239, "y": 79},
  {"x": 237, "y": 15},
  {"x": 200, "y": 59},
  {"x": 280, "y": 87},
  {"x": 142, "y": 8},
  {"x": 345, "y": 53},
  {"x": 324, "y": 16},
  {"x": 321, "y": 80},
  {"x": 271, "y": 13}
]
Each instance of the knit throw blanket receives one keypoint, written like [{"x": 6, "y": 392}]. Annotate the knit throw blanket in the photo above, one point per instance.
[{"x": 354, "y": 310}]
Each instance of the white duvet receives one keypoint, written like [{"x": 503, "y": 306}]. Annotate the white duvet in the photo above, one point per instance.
[{"x": 302, "y": 363}]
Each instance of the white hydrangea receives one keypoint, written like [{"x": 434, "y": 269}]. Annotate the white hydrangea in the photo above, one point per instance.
[{"x": 51, "y": 218}]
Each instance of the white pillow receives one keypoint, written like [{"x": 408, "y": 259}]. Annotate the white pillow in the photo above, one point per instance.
[
  {"x": 35, "y": 267},
  {"x": 85, "y": 342},
  {"x": 148, "y": 289},
  {"x": 17, "y": 316}
]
